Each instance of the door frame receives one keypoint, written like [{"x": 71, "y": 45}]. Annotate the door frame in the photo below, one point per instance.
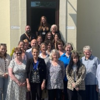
[{"x": 29, "y": 11}]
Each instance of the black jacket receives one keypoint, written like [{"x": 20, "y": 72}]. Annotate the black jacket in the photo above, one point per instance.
[{"x": 41, "y": 67}]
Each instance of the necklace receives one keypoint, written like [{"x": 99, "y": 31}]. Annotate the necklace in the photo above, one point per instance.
[{"x": 28, "y": 36}]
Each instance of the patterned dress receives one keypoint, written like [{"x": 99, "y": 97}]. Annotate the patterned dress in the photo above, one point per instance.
[{"x": 15, "y": 92}]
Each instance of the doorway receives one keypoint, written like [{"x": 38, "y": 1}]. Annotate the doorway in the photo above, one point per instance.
[{"x": 38, "y": 8}]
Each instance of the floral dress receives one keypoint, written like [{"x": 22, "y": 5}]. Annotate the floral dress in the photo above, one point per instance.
[{"x": 15, "y": 92}]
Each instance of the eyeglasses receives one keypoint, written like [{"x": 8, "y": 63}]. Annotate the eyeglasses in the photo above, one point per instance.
[{"x": 19, "y": 53}]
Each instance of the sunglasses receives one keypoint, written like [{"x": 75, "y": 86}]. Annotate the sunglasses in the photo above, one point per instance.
[{"x": 19, "y": 53}]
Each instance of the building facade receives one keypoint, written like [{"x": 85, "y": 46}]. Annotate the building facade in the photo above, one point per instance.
[{"x": 78, "y": 20}]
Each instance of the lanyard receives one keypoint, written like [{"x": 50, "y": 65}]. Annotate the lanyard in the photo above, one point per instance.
[{"x": 35, "y": 65}]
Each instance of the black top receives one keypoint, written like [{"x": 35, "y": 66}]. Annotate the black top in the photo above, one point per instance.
[
  {"x": 41, "y": 68},
  {"x": 23, "y": 36},
  {"x": 43, "y": 33}
]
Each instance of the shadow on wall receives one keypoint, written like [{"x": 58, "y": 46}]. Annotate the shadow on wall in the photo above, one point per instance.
[{"x": 74, "y": 17}]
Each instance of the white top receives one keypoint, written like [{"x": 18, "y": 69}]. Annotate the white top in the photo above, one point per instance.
[{"x": 4, "y": 63}]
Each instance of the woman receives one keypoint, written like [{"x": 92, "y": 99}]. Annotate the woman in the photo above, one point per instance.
[
  {"x": 26, "y": 44},
  {"x": 56, "y": 38},
  {"x": 21, "y": 45},
  {"x": 36, "y": 75},
  {"x": 76, "y": 74},
  {"x": 60, "y": 47},
  {"x": 43, "y": 28},
  {"x": 91, "y": 63},
  {"x": 49, "y": 36},
  {"x": 17, "y": 73},
  {"x": 4, "y": 62},
  {"x": 55, "y": 75},
  {"x": 54, "y": 30},
  {"x": 49, "y": 46},
  {"x": 43, "y": 53},
  {"x": 65, "y": 58},
  {"x": 39, "y": 40}
]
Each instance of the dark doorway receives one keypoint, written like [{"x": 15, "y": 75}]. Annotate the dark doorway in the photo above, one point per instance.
[{"x": 34, "y": 12}]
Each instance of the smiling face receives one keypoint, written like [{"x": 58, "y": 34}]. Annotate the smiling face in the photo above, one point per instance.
[
  {"x": 35, "y": 53},
  {"x": 75, "y": 60},
  {"x": 43, "y": 48},
  {"x": 87, "y": 53},
  {"x": 48, "y": 36},
  {"x": 68, "y": 49},
  {"x": 43, "y": 20},
  {"x": 28, "y": 29},
  {"x": 60, "y": 46},
  {"x": 18, "y": 54},
  {"x": 21, "y": 45},
  {"x": 55, "y": 56},
  {"x": 3, "y": 49}
]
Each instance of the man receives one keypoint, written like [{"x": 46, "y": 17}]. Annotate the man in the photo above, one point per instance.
[
  {"x": 27, "y": 35},
  {"x": 29, "y": 51}
]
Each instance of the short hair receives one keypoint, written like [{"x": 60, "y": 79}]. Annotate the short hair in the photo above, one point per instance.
[
  {"x": 68, "y": 44},
  {"x": 54, "y": 25},
  {"x": 87, "y": 48},
  {"x": 54, "y": 51},
  {"x": 3, "y": 44},
  {"x": 17, "y": 49},
  {"x": 35, "y": 48},
  {"x": 42, "y": 44}
]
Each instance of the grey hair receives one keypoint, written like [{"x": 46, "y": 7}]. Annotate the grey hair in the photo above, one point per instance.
[
  {"x": 54, "y": 51},
  {"x": 87, "y": 48},
  {"x": 42, "y": 44},
  {"x": 54, "y": 25},
  {"x": 68, "y": 44}
]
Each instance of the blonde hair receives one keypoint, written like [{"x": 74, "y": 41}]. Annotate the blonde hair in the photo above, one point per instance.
[
  {"x": 54, "y": 51},
  {"x": 25, "y": 41},
  {"x": 87, "y": 48},
  {"x": 54, "y": 25}
]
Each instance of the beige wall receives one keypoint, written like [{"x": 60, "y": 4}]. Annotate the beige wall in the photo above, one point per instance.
[
  {"x": 68, "y": 21},
  {"x": 5, "y": 23},
  {"x": 12, "y": 21},
  {"x": 18, "y": 20},
  {"x": 88, "y": 25}
]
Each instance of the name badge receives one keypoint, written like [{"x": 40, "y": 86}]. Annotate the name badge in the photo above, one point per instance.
[{"x": 43, "y": 33}]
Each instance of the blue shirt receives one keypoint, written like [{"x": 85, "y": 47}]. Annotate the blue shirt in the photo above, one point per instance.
[
  {"x": 65, "y": 60},
  {"x": 91, "y": 65}
]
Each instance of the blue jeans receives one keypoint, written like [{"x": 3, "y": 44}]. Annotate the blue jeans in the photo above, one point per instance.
[{"x": 3, "y": 87}]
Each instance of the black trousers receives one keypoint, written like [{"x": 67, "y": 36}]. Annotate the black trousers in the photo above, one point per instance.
[
  {"x": 65, "y": 91},
  {"x": 35, "y": 91},
  {"x": 54, "y": 93},
  {"x": 76, "y": 95},
  {"x": 91, "y": 93}
]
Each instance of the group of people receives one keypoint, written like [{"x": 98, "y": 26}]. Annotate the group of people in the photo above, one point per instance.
[{"x": 42, "y": 67}]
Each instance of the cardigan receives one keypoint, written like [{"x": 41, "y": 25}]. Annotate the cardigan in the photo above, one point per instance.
[
  {"x": 4, "y": 63},
  {"x": 41, "y": 67},
  {"x": 80, "y": 83}
]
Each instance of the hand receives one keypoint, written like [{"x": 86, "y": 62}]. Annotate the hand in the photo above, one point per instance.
[
  {"x": 28, "y": 87},
  {"x": 42, "y": 86},
  {"x": 77, "y": 89},
  {"x": 24, "y": 83},
  {"x": 97, "y": 89},
  {"x": 5, "y": 75},
  {"x": 19, "y": 83},
  {"x": 73, "y": 85}
]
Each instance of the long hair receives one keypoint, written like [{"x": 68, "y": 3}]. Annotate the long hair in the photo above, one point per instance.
[
  {"x": 41, "y": 24},
  {"x": 47, "y": 38},
  {"x": 2, "y": 44},
  {"x": 71, "y": 63}
]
